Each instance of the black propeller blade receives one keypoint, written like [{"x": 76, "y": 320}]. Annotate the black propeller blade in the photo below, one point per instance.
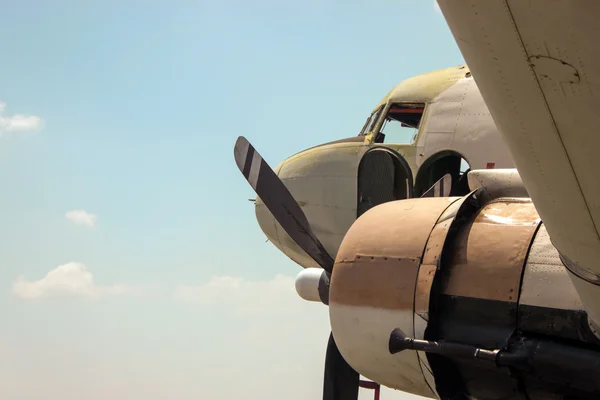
[
  {"x": 279, "y": 201},
  {"x": 441, "y": 188},
  {"x": 340, "y": 382}
]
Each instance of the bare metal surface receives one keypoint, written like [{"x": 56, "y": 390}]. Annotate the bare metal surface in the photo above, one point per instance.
[
  {"x": 489, "y": 252},
  {"x": 546, "y": 281},
  {"x": 377, "y": 263},
  {"x": 395, "y": 229},
  {"x": 497, "y": 183},
  {"x": 379, "y": 282},
  {"x": 423, "y": 290},
  {"x": 431, "y": 258}
]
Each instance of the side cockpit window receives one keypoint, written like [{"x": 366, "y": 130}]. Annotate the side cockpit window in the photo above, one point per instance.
[{"x": 401, "y": 123}]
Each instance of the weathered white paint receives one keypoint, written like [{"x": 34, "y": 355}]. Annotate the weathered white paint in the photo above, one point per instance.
[
  {"x": 546, "y": 282},
  {"x": 323, "y": 180},
  {"x": 362, "y": 335},
  {"x": 537, "y": 67},
  {"x": 458, "y": 120},
  {"x": 497, "y": 183}
]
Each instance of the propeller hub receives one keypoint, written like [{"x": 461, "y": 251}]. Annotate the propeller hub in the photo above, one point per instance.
[{"x": 312, "y": 284}]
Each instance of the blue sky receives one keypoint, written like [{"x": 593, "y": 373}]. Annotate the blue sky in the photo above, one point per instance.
[{"x": 129, "y": 111}]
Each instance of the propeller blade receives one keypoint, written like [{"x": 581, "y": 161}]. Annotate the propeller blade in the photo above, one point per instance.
[
  {"x": 340, "y": 381},
  {"x": 441, "y": 188},
  {"x": 279, "y": 201}
]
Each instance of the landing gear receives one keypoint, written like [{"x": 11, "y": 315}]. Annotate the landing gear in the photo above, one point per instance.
[{"x": 371, "y": 385}]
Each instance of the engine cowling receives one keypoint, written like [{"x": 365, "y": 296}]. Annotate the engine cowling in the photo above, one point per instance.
[
  {"x": 372, "y": 290},
  {"x": 452, "y": 269}
]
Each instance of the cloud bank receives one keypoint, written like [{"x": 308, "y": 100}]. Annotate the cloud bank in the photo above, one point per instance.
[
  {"x": 69, "y": 280},
  {"x": 255, "y": 332},
  {"x": 81, "y": 217}
]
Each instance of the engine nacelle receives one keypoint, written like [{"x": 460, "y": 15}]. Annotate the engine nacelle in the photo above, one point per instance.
[
  {"x": 373, "y": 289},
  {"x": 453, "y": 269}
]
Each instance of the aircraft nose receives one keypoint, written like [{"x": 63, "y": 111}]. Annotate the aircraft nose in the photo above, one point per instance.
[{"x": 323, "y": 182}]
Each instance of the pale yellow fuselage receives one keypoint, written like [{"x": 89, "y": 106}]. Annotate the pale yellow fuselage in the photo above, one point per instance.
[{"x": 324, "y": 179}]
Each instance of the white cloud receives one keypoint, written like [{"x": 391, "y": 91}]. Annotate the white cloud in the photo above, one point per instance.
[
  {"x": 18, "y": 122},
  {"x": 81, "y": 217},
  {"x": 72, "y": 279}
]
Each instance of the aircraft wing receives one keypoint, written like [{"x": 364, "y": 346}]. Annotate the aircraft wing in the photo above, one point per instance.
[{"x": 537, "y": 66}]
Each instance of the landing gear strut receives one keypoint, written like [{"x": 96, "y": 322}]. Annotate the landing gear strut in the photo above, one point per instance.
[{"x": 371, "y": 385}]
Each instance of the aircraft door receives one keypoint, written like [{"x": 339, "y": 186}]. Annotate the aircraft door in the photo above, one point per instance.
[{"x": 383, "y": 176}]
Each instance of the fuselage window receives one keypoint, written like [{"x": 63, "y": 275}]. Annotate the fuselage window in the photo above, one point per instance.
[{"x": 401, "y": 124}]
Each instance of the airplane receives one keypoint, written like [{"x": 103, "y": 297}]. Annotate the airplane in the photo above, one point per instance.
[{"x": 474, "y": 284}]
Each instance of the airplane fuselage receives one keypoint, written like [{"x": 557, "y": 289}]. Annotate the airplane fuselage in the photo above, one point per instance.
[{"x": 447, "y": 129}]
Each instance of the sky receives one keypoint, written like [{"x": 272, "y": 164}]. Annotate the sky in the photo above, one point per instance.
[{"x": 132, "y": 263}]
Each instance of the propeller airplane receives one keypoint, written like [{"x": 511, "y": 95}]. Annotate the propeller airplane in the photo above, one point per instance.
[{"x": 462, "y": 263}]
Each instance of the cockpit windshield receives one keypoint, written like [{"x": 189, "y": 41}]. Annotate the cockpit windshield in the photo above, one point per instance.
[
  {"x": 371, "y": 122},
  {"x": 401, "y": 123}
]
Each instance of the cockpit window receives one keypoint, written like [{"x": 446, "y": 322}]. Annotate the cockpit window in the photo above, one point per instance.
[
  {"x": 362, "y": 131},
  {"x": 401, "y": 123},
  {"x": 371, "y": 121}
]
